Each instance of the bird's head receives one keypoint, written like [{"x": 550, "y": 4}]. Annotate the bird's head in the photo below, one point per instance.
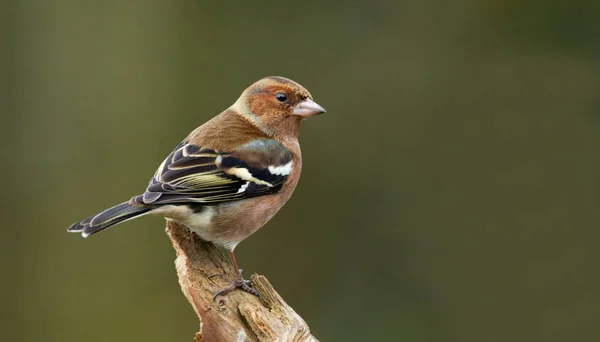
[{"x": 277, "y": 105}]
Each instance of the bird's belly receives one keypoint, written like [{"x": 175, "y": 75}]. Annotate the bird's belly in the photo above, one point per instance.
[
  {"x": 225, "y": 224},
  {"x": 235, "y": 221},
  {"x": 197, "y": 221}
]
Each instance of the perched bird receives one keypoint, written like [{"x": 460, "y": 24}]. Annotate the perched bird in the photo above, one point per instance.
[{"x": 230, "y": 176}]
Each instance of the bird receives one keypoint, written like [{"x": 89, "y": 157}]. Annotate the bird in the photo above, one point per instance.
[{"x": 229, "y": 176}]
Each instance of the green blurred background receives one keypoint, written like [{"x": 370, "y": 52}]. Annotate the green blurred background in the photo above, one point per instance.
[{"x": 450, "y": 193}]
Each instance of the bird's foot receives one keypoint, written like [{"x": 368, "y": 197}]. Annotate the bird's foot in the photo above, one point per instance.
[
  {"x": 238, "y": 283},
  {"x": 191, "y": 236}
]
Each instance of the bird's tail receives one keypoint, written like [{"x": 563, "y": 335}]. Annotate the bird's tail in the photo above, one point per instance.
[{"x": 108, "y": 218}]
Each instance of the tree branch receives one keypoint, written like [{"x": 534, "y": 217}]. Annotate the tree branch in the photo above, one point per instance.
[{"x": 238, "y": 316}]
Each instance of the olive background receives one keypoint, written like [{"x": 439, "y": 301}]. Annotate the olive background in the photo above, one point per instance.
[{"x": 450, "y": 193}]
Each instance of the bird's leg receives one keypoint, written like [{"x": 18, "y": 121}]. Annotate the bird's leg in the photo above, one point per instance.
[{"x": 238, "y": 282}]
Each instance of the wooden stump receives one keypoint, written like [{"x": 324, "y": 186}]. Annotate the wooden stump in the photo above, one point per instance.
[{"x": 238, "y": 316}]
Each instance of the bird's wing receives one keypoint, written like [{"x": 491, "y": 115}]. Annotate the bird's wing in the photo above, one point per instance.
[{"x": 201, "y": 175}]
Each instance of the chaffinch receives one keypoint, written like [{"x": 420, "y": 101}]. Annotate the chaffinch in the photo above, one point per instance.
[{"x": 230, "y": 176}]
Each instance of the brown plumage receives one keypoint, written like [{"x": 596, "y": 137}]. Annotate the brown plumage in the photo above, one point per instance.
[{"x": 230, "y": 176}]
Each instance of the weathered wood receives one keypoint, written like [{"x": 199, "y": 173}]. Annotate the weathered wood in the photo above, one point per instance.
[{"x": 239, "y": 316}]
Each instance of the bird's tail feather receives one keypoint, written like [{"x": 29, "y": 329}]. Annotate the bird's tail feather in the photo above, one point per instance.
[{"x": 108, "y": 218}]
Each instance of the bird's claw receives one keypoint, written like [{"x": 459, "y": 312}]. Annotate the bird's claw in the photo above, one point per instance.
[{"x": 238, "y": 283}]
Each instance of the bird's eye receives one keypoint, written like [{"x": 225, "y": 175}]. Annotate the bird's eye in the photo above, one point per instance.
[{"x": 281, "y": 97}]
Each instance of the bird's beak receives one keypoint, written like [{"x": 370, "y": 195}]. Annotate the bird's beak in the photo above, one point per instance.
[{"x": 308, "y": 108}]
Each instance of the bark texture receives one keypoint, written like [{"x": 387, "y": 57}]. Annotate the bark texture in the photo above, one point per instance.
[{"x": 239, "y": 316}]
